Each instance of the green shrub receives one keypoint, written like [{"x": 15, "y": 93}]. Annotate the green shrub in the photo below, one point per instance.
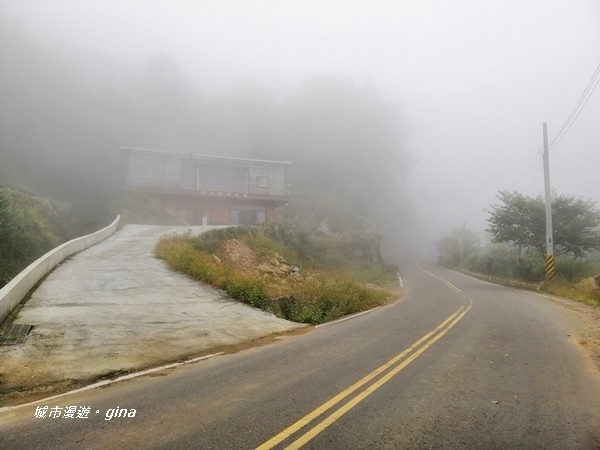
[
  {"x": 324, "y": 300},
  {"x": 500, "y": 260},
  {"x": 29, "y": 227},
  {"x": 248, "y": 289},
  {"x": 573, "y": 270},
  {"x": 211, "y": 240}
]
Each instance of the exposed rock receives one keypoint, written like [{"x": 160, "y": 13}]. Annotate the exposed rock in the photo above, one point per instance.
[
  {"x": 266, "y": 268},
  {"x": 239, "y": 254},
  {"x": 284, "y": 269},
  {"x": 280, "y": 276}
]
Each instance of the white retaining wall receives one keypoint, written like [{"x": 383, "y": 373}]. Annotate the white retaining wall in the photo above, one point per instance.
[{"x": 16, "y": 290}]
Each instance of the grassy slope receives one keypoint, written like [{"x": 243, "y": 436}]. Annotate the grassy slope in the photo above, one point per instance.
[{"x": 321, "y": 292}]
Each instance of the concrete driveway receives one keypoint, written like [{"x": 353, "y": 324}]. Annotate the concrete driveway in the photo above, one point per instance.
[{"x": 116, "y": 308}]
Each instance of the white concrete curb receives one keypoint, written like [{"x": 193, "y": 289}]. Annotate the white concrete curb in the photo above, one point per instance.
[{"x": 16, "y": 290}]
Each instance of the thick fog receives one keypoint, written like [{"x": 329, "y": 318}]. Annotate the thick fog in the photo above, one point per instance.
[{"x": 448, "y": 97}]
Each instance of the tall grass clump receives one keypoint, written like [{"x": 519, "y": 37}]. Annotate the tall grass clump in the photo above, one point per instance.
[
  {"x": 248, "y": 289},
  {"x": 181, "y": 255},
  {"x": 315, "y": 297},
  {"x": 322, "y": 300}
]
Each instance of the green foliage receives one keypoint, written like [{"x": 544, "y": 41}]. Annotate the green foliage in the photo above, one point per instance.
[
  {"x": 211, "y": 240},
  {"x": 521, "y": 220},
  {"x": 325, "y": 299},
  {"x": 502, "y": 260},
  {"x": 453, "y": 248},
  {"x": 572, "y": 270},
  {"x": 29, "y": 227},
  {"x": 248, "y": 289},
  {"x": 182, "y": 253},
  {"x": 501, "y": 263}
]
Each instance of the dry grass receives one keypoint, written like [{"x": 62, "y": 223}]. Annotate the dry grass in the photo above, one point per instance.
[
  {"x": 558, "y": 288},
  {"x": 567, "y": 291},
  {"x": 314, "y": 297}
]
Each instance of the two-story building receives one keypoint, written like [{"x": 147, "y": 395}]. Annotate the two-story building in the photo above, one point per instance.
[{"x": 211, "y": 190}]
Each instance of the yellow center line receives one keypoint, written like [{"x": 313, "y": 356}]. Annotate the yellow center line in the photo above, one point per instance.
[
  {"x": 446, "y": 282},
  {"x": 360, "y": 397},
  {"x": 342, "y": 395},
  {"x": 431, "y": 337}
]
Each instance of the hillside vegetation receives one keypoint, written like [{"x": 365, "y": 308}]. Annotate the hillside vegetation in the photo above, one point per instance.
[
  {"x": 298, "y": 276},
  {"x": 345, "y": 141},
  {"x": 577, "y": 278},
  {"x": 29, "y": 227}
]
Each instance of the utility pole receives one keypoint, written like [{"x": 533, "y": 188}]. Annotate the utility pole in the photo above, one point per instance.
[{"x": 549, "y": 244}]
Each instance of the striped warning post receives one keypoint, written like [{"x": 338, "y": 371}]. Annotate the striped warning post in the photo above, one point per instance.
[{"x": 550, "y": 268}]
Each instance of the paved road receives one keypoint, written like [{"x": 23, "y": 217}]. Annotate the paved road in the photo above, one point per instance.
[{"x": 457, "y": 364}]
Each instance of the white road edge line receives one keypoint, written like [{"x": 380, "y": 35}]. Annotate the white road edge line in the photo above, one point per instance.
[
  {"x": 477, "y": 279},
  {"x": 116, "y": 380},
  {"x": 539, "y": 294},
  {"x": 347, "y": 317}
]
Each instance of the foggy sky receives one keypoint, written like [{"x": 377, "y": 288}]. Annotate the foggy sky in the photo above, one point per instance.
[{"x": 474, "y": 80}]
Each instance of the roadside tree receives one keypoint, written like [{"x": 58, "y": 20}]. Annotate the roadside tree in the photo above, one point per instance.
[
  {"x": 456, "y": 246},
  {"x": 521, "y": 220}
]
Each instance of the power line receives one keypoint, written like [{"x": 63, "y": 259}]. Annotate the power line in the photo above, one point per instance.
[
  {"x": 555, "y": 141},
  {"x": 535, "y": 175},
  {"x": 583, "y": 100},
  {"x": 537, "y": 161}
]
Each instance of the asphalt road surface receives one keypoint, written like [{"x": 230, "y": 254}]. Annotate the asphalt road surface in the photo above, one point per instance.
[{"x": 457, "y": 363}]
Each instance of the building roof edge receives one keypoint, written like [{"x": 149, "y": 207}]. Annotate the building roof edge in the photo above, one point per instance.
[{"x": 199, "y": 155}]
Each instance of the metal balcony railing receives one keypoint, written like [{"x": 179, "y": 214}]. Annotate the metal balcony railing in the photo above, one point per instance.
[{"x": 278, "y": 189}]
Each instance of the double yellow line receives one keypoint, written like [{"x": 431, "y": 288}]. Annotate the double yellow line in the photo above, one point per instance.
[{"x": 415, "y": 350}]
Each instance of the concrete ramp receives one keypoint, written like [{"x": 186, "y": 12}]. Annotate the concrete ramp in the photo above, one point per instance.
[{"x": 115, "y": 307}]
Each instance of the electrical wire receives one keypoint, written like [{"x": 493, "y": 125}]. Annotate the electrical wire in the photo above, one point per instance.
[
  {"x": 535, "y": 175},
  {"x": 581, "y": 103},
  {"x": 537, "y": 161},
  {"x": 557, "y": 139}
]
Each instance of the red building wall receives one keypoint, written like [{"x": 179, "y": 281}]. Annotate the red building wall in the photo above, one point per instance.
[{"x": 192, "y": 208}]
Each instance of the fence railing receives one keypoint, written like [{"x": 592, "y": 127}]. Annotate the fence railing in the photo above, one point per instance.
[{"x": 241, "y": 187}]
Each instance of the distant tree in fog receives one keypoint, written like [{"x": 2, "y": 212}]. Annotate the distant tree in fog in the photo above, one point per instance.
[{"x": 521, "y": 220}]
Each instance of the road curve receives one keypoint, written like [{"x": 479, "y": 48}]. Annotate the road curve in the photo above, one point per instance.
[{"x": 458, "y": 363}]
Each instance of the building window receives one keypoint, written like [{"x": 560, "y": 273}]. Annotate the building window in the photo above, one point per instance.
[
  {"x": 262, "y": 182},
  {"x": 147, "y": 172}
]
